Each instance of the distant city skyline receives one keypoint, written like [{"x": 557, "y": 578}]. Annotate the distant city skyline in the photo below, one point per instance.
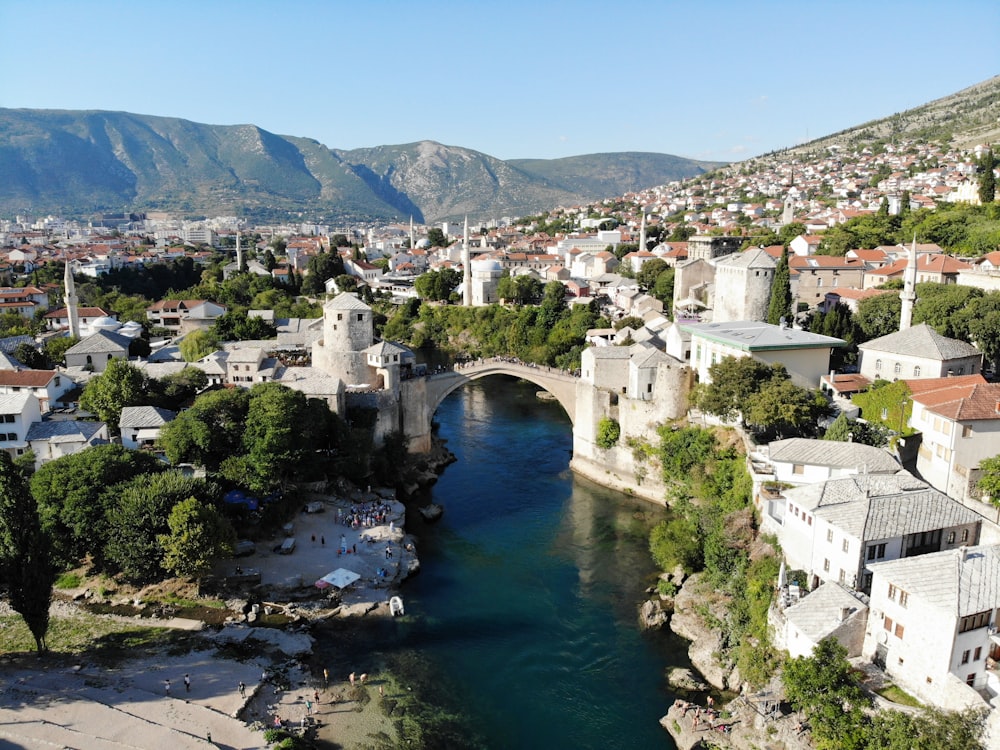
[{"x": 719, "y": 81}]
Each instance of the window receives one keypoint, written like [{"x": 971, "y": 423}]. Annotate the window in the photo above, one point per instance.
[
  {"x": 966, "y": 430},
  {"x": 846, "y": 546},
  {"x": 965, "y": 657},
  {"x": 842, "y": 577},
  {"x": 826, "y": 566},
  {"x": 978, "y": 653},
  {"x": 971, "y": 679},
  {"x": 974, "y": 622},
  {"x": 8, "y": 418},
  {"x": 904, "y": 597},
  {"x": 899, "y": 631},
  {"x": 951, "y": 537},
  {"x": 878, "y": 365},
  {"x": 897, "y": 368},
  {"x": 829, "y": 535},
  {"x": 809, "y": 520},
  {"x": 340, "y": 316},
  {"x": 965, "y": 535},
  {"x": 916, "y": 371},
  {"x": 361, "y": 317},
  {"x": 798, "y": 469},
  {"x": 892, "y": 592},
  {"x": 887, "y": 624}
]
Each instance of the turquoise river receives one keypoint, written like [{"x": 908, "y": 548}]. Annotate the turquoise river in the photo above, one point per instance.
[{"x": 522, "y": 626}]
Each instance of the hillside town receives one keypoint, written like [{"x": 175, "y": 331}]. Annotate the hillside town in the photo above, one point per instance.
[{"x": 896, "y": 550}]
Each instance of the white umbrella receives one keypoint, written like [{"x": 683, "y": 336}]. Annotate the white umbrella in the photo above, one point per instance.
[{"x": 339, "y": 578}]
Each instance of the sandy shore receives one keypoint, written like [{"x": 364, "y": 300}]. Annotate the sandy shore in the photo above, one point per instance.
[{"x": 64, "y": 702}]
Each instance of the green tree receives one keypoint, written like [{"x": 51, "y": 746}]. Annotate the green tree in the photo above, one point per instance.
[
  {"x": 608, "y": 432},
  {"x": 437, "y": 238},
  {"x": 25, "y": 553},
  {"x": 199, "y": 535},
  {"x": 272, "y": 438},
  {"x": 55, "y": 348},
  {"x": 663, "y": 290},
  {"x": 139, "y": 518},
  {"x": 649, "y": 272},
  {"x": 197, "y": 344},
  {"x": 987, "y": 180},
  {"x": 236, "y": 325},
  {"x": 780, "y": 305},
  {"x": 29, "y": 356},
  {"x": 210, "y": 431},
  {"x": 939, "y": 304},
  {"x": 878, "y": 316},
  {"x": 120, "y": 385},
  {"x": 823, "y": 687},
  {"x": 321, "y": 267},
  {"x": 73, "y": 497},
  {"x": 989, "y": 480},
  {"x": 677, "y": 541},
  {"x": 784, "y": 408},
  {"x": 852, "y": 430},
  {"x": 734, "y": 382},
  {"x": 789, "y": 232}
]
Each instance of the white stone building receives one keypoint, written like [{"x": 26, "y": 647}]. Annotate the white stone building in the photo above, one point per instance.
[
  {"x": 933, "y": 625},
  {"x": 832, "y": 529},
  {"x": 805, "y": 355},
  {"x": 918, "y": 352}
]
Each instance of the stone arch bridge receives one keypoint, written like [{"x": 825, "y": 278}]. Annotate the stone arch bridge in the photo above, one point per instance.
[{"x": 559, "y": 383}]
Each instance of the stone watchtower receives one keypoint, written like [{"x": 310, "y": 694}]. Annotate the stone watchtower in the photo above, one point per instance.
[
  {"x": 743, "y": 286},
  {"x": 348, "y": 330}
]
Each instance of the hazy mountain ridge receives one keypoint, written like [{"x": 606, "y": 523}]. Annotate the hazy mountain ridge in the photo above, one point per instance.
[{"x": 80, "y": 162}]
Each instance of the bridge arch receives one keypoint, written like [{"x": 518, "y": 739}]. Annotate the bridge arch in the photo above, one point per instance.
[{"x": 560, "y": 384}]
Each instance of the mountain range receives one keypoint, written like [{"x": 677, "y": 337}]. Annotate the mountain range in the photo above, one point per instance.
[{"x": 78, "y": 163}]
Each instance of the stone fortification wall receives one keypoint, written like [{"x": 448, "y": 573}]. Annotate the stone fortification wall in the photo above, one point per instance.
[{"x": 624, "y": 467}]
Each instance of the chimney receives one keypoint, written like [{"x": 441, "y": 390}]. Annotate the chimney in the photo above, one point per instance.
[
  {"x": 963, "y": 553},
  {"x": 845, "y": 612}
]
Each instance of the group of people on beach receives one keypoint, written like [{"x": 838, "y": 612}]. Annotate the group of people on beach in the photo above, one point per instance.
[{"x": 365, "y": 515}]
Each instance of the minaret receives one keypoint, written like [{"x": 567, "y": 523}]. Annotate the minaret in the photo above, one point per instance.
[
  {"x": 788, "y": 214},
  {"x": 466, "y": 267},
  {"x": 71, "y": 302},
  {"x": 642, "y": 232},
  {"x": 413, "y": 241},
  {"x": 909, "y": 295},
  {"x": 239, "y": 252}
]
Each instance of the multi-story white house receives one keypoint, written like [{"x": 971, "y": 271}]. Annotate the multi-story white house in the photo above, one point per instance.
[
  {"x": 832, "y": 529},
  {"x": 94, "y": 352},
  {"x": 46, "y": 385},
  {"x": 173, "y": 313},
  {"x": 140, "y": 425},
  {"x": 18, "y": 411},
  {"x": 959, "y": 426},
  {"x": 933, "y": 623}
]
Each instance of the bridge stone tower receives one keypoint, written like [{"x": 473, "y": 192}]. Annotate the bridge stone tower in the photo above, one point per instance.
[{"x": 348, "y": 330}]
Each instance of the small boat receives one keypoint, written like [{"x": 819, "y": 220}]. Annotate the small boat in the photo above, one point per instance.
[{"x": 396, "y": 607}]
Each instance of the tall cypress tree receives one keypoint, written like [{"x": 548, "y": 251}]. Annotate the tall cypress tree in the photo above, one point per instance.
[
  {"x": 25, "y": 552},
  {"x": 780, "y": 305},
  {"x": 987, "y": 180}
]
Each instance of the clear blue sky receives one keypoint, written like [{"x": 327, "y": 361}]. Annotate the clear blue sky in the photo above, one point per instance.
[{"x": 701, "y": 79}]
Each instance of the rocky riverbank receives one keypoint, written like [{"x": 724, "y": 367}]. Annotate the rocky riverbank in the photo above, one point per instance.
[{"x": 737, "y": 718}]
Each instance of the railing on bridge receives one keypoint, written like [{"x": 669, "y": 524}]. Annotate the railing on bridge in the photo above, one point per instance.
[{"x": 481, "y": 364}]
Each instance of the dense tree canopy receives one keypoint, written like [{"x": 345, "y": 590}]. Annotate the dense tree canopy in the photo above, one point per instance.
[
  {"x": 210, "y": 431},
  {"x": 779, "y": 307},
  {"x": 199, "y": 535},
  {"x": 73, "y": 497},
  {"x": 140, "y": 517},
  {"x": 437, "y": 285}
]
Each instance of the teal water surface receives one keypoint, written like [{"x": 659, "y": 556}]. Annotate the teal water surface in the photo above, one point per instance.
[{"x": 528, "y": 597}]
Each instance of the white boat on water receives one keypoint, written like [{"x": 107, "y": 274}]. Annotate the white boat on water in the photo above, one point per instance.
[{"x": 396, "y": 606}]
